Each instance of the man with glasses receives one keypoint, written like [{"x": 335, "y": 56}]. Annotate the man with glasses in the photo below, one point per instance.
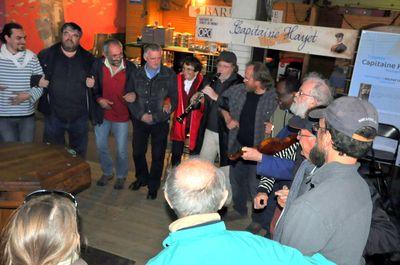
[
  {"x": 331, "y": 213},
  {"x": 112, "y": 92},
  {"x": 212, "y": 140},
  {"x": 189, "y": 82},
  {"x": 313, "y": 92},
  {"x": 66, "y": 103}
]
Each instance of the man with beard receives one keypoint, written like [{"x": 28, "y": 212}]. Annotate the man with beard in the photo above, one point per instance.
[
  {"x": 66, "y": 101},
  {"x": 331, "y": 213},
  {"x": 313, "y": 92},
  {"x": 246, "y": 107},
  {"x": 17, "y": 97},
  {"x": 112, "y": 92}
]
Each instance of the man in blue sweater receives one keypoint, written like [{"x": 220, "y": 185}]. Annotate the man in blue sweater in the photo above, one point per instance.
[{"x": 196, "y": 189}]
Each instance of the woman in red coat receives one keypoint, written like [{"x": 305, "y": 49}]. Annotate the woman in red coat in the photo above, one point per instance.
[{"x": 189, "y": 81}]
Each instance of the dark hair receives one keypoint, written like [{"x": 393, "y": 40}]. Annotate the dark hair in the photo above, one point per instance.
[
  {"x": 73, "y": 26},
  {"x": 349, "y": 146},
  {"x": 151, "y": 47},
  {"x": 107, "y": 43},
  {"x": 7, "y": 30},
  {"x": 262, "y": 74},
  {"x": 193, "y": 61},
  {"x": 292, "y": 84}
]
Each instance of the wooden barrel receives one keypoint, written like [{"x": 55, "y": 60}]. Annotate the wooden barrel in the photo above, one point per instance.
[{"x": 26, "y": 167}]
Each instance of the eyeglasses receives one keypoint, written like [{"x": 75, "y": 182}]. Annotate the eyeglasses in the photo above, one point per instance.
[
  {"x": 188, "y": 69},
  {"x": 301, "y": 93},
  {"x": 316, "y": 127},
  {"x": 60, "y": 193}
]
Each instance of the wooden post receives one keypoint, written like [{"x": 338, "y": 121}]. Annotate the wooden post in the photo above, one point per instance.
[{"x": 312, "y": 22}]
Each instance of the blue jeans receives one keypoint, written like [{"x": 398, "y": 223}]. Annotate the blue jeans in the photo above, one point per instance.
[
  {"x": 19, "y": 129},
  {"x": 77, "y": 133},
  {"x": 120, "y": 132}
]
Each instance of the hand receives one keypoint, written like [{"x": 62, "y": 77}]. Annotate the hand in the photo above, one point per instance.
[
  {"x": 260, "y": 201},
  {"x": 105, "y": 103},
  {"x": 43, "y": 82},
  {"x": 210, "y": 92},
  {"x": 232, "y": 124},
  {"x": 19, "y": 98},
  {"x": 167, "y": 107},
  {"x": 90, "y": 81},
  {"x": 194, "y": 98},
  {"x": 147, "y": 118},
  {"x": 251, "y": 154},
  {"x": 282, "y": 196},
  {"x": 269, "y": 128},
  {"x": 129, "y": 97}
]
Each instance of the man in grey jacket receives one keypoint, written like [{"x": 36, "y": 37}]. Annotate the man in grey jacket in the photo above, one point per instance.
[
  {"x": 248, "y": 106},
  {"x": 332, "y": 210}
]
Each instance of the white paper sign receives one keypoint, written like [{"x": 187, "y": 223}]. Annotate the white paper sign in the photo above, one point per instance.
[
  {"x": 333, "y": 42},
  {"x": 277, "y": 16}
]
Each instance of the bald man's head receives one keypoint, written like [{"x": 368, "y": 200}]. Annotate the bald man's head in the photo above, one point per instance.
[{"x": 196, "y": 187}]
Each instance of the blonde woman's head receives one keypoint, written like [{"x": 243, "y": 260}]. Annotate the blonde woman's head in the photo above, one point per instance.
[{"x": 42, "y": 231}]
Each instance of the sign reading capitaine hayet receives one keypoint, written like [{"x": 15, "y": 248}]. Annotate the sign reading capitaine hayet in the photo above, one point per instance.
[
  {"x": 333, "y": 42},
  {"x": 219, "y": 11}
]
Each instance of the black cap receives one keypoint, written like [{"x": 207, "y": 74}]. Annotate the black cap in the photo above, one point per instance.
[
  {"x": 228, "y": 57},
  {"x": 299, "y": 123}
]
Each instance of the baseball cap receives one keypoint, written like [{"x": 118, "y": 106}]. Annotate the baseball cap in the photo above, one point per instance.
[
  {"x": 228, "y": 57},
  {"x": 349, "y": 114},
  {"x": 299, "y": 123}
]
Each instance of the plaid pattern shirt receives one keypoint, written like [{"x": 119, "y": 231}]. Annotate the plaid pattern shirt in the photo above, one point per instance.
[{"x": 233, "y": 100}]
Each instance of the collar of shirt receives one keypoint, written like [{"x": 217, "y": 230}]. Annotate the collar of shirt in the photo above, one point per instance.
[
  {"x": 151, "y": 72},
  {"x": 193, "y": 220},
  {"x": 188, "y": 84},
  {"x": 332, "y": 170},
  {"x": 119, "y": 69}
]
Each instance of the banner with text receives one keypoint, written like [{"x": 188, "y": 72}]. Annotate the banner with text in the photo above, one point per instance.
[
  {"x": 376, "y": 78},
  {"x": 333, "y": 42}
]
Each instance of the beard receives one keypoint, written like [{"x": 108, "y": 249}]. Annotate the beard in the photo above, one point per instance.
[
  {"x": 317, "y": 157},
  {"x": 299, "y": 109},
  {"x": 69, "y": 46}
]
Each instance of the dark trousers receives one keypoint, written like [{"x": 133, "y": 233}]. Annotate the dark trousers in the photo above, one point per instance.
[
  {"x": 176, "y": 152},
  {"x": 269, "y": 210},
  {"x": 77, "y": 133},
  {"x": 244, "y": 182},
  {"x": 158, "y": 134}
]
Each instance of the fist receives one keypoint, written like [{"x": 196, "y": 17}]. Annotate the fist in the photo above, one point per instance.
[
  {"x": 90, "y": 82},
  {"x": 260, "y": 201}
]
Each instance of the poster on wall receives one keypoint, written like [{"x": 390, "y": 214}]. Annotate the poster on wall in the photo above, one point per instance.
[
  {"x": 332, "y": 42},
  {"x": 376, "y": 78}
]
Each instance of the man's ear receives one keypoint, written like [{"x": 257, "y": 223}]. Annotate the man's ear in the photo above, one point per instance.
[
  {"x": 223, "y": 200},
  {"x": 167, "y": 199}
]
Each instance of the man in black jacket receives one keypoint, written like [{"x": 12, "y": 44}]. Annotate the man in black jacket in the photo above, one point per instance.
[
  {"x": 153, "y": 83},
  {"x": 111, "y": 91},
  {"x": 213, "y": 133},
  {"x": 66, "y": 101}
]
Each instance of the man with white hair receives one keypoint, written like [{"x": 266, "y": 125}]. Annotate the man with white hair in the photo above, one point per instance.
[
  {"x": 196, "y": 190},
  {"x": 314, "y": 92}
]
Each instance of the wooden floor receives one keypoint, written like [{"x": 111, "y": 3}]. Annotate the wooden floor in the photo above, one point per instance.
[{"x": 124, "y": 222}]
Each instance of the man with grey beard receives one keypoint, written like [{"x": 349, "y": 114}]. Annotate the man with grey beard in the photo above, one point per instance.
[
  {"x": 314, "y": 92},
  {"x": 66, "y": 101}
]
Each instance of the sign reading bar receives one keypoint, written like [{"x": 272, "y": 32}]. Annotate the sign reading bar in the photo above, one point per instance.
[
  {"x": 219, "y": 11},
  {"x": 333, "y": 42}
]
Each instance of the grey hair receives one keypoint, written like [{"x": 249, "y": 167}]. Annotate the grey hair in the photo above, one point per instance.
[
  {"x": 151, "y": 47},
  {"x": 321, "y": 91},
  {"x": 108, "y": 42},
  {"x": 186, "y": 201}
]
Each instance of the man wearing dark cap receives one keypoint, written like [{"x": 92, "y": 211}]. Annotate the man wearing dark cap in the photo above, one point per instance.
[
  {"x": 213, "y": 134},
  {"x": 332, "y": 212}
]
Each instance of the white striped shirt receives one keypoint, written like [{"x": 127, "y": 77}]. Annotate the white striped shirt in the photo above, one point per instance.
[{"x": 16, "y": 80}]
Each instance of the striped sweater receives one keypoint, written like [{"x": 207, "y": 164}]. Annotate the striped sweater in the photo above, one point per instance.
[{"x": 14, "y": 80}]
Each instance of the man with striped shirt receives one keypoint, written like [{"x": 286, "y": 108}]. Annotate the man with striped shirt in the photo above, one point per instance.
[{"x": 17, "y": 97}]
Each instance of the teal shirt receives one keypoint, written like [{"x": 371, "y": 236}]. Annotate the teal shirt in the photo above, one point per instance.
[{"x": 213, "y": 244}]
